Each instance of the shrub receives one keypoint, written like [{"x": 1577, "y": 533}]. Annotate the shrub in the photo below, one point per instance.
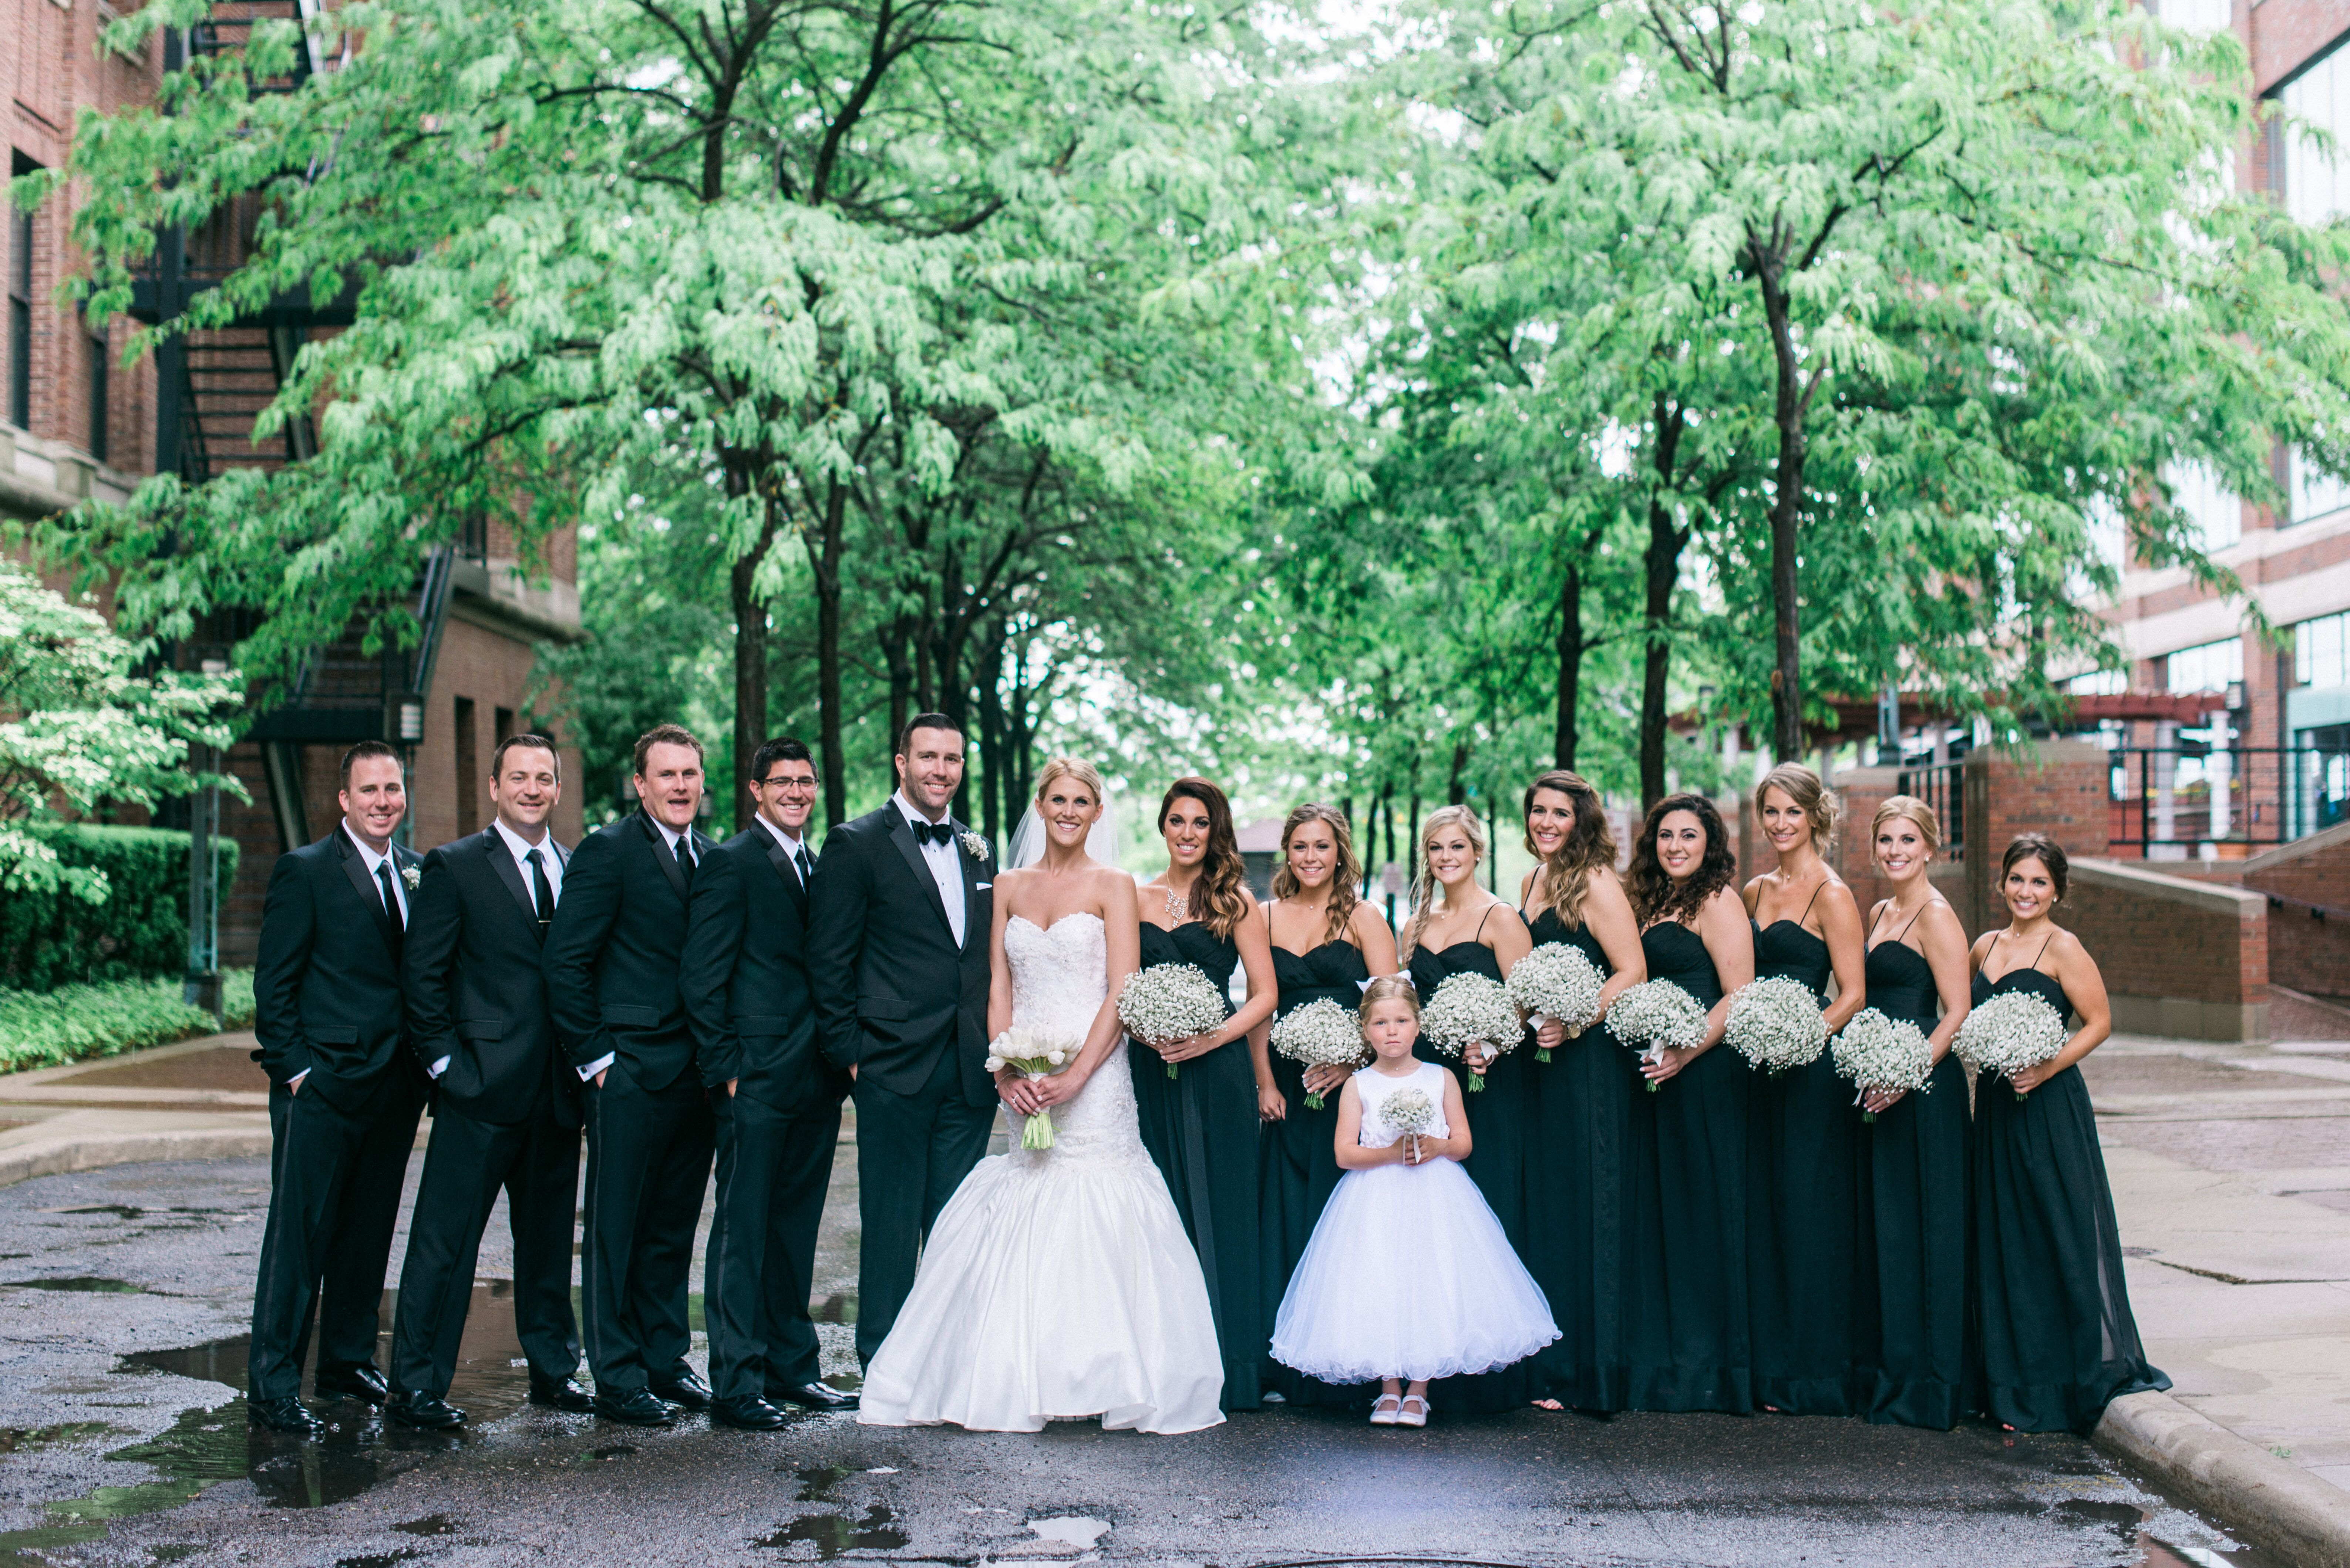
[
  {"x": 75, "y": 1023},
  {"x": 51, "y": 937}
]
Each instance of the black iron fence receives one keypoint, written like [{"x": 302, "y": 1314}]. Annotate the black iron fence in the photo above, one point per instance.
[
  {"x": 2188, "y": 796},
  {"x": 1942, "y": 786}
]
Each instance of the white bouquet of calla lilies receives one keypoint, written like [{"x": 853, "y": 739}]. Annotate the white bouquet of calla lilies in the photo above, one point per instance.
[
  {"x": 1471, "y": 1010},
  {"x": 1557, "y": 983},
  {"x": 1169, "y": 1001},
  {"x": 1656, "y": 1016},
  {"x": 1031, "y": 1055},
  {"x": 1408, "y": 1113},
  {"x": 1881, "y": 1055},
  {"x": 2009, "y": 1033},
  {"x": 1320, "y": 1034},
  {"x": 1776, "y": 1024}
]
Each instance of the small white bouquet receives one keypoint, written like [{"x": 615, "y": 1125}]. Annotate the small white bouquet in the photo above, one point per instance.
[
  {"x": 1776, "y": 1024},
  {"x": 1559, "y": 983},
  {"x": 1319, "y": 1034},
  {"x": 2009, "y": 1033},
  {"x": 1033, "y": 1057},
  {"x": 1169, "y": 1001},
  {"x": 1883, "y": 1053},
  {"x": 1408, "y": 1113},
  {"x": 1656, "y": 1016},
  {"x": 1471, "y": 1010}
]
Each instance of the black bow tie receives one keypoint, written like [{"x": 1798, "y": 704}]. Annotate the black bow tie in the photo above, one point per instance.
[{"x": 931, "y": 832}]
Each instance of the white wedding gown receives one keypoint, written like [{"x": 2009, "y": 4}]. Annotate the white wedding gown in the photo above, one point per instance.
[{"x": 1058, "y": 1283}]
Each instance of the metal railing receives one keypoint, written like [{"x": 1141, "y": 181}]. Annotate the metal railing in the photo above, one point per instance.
[
  {"x": 1943, "y": 787},
  {"x": 2184, "y": 797}
]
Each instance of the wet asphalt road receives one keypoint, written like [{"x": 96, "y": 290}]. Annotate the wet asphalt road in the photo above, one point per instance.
[{"x": 124, "y": 1443}]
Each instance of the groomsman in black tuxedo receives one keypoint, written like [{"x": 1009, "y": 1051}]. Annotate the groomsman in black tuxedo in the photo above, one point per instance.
[
  {"x": 343, "y": 1096},
  {"x": 505, "y": 1101},
  {"x": 898, "y": 953},
  {"x": 777, "y": 1100},
  {"x": 611, "y": 964}
]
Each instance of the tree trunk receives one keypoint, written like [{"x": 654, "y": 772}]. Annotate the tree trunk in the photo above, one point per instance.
[
  {"x": 750, "y": 673},
  {"x": 1788, "y": 411},
  {"x": 1567, "y": 735},
  {"x": 1663, "y": 562},
  {"x": 1456, "y": 790},
  {"x": 826, "y": 560},
  {"x": 991, "y": 734}
]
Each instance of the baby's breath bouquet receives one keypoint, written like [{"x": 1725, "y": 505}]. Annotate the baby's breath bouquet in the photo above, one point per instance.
[
  {"x": 1408, "y": 1113},
  {"x": 1655, "y": 1016},
  {"x": 2009, "y": 1033},
  {"x": 1034, "y": 1056},
  {"x": 1883, "y": 1053},
  {"x": 1559, "y": 983},
  {"x": 1319, "y": 1034},
  {"x": 1471, "y": 1010},
  {"x": 1169, "y": 1001},
  {"x": 1776, "y": 1024}
]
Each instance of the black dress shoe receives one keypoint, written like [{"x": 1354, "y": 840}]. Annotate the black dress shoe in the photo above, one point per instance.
[
  {"x": 814, "y": 1397},
  {"x": 749, "y": 1412},
  {"x": 426, "y": 1412},
  {"x": 286, "y": 1415},
  {"x": 637, "y": 1408},
  {"x": 360, "y": 1382},
  {"x": 687, "y": 1389},
  {"x": 561, "y": 1393}
]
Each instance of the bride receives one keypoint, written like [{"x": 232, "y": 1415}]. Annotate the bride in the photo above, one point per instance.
[{"x": 1057, "y": 1282}]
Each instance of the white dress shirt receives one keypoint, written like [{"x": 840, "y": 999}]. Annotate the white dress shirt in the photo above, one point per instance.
[
  {"x": 794, "y": 845},
  {"x": 945, "y": 861},
  {"x": 369, "y": 861},
  {"x": 520, "y": 849},
  {"x": 669, "y": 836}
]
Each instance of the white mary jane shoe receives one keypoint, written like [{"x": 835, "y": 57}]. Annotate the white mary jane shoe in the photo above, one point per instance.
[
  {"x": 1408, "y": 1416},
  {"x": 1386, "y": 1410}
]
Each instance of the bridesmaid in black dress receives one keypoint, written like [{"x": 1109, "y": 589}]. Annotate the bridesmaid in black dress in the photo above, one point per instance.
[
  {"x": 1458, "y": 927},
  {"x": 1686, "y": 1257},
  {"x": 1200, "y": 1125},
  {"x": 2058, "y": 1341},
  {"x": 1327, "y": 945},
  {"x": 1918, "y": 1199},
  {"x": 1580, "y": 1103},
  {"x": 1812, "y": 1320}
]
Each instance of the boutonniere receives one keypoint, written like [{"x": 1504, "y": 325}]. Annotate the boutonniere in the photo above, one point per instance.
[
  {"x": 411, "y": 875},
  {"x": 972, "y": 844}
]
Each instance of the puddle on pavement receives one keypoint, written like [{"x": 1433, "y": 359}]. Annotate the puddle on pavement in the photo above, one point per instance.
[
  {"x": 90, "y": 1283},
  {"x": 1071, "y": 1530},
  {"x": 380, "y": 1559},
  {"x": 26, "y": 1440},
  {"x": 816, "y": 1484},
  {"x": 430, "y": 1524},
  {"x": 834, "y": 1533},
  {"x": 835, "y": 1308}
]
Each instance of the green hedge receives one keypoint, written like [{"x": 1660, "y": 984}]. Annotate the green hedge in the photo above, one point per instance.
[
  {"x": 54, "y": 938},
  {"x": 74, "y": 1023}
]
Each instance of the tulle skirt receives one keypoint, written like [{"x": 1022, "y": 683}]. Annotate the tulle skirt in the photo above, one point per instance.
[{"x": 1408, "y": 1275}]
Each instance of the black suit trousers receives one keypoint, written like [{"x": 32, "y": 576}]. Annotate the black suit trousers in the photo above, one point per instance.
[
  {"x": 912, "y": 1152},
  {"x": 335, "y": 1180},
  {"x": 773, "y": 1169},
  {"x": 647, "y": 1165},
  {"x": 536, "y": 1163}
]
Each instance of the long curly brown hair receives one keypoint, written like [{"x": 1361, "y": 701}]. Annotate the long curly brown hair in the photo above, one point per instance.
[
  {"x": 1655, "y": 895},
  {"x": 1565, "y": 877},
  {"x": 1221, "y": 897},
  {"x": 1344, "y": 881}
]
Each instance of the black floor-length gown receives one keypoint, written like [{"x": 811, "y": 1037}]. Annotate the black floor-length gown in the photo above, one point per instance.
[
  {"x": 1298, "y": 1157},
  {"x": 1497, "y": 1153},
  {"x": 1580, "y": 1108},
  {"x": 1918, "y": 1239},
  {"x": 2058, "y": 1340},
  {"x": 1806, "y": 1296},
  {"x": 1686, "y": 1257},
  {"x": 1200, "y": 1127}
]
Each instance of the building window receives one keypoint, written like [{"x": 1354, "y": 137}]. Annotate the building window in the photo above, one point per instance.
[
  {"x": 2213, "y": 666},
  {"x": 468, "y": 751},
  {"x": 2315, "y": 493},
  {"x": 2217, "y": 516},
  {"x": 2318, "y": 183},
  {"x": 20, "y": 317},
  {"x": 2099, "y": 683},
  {"x": 97, "y": 371},
  {"x": 2320, "y": 652}
]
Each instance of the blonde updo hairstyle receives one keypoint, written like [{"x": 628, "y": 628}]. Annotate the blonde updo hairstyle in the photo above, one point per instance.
[
  {"x": 1799, "y": 784},
  {"x": 1906, "y": 808},
  {"x": 1387, "y": 988},
  {"x": 1060, "y": 768},
  {"x": 1423, "y": 880}
]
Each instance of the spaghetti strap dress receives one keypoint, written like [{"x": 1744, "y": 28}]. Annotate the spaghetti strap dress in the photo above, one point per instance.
[
  {"x": 1497, "y": 1152},
  {"x": 1579, "y": 1111},
  {"x": 1804, "y": 1287},
  {"x": 1200, "y": 1127},
  {"x": 1297, "y": 1158},
  {"x": 2058, "y": 1340},
  {"x": 1687, "y": 1324},
  {"x": 1918, "y": 1238}
]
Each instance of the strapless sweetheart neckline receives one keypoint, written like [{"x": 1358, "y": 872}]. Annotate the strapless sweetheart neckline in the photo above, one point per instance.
[{"x": 1056, "y": 925}]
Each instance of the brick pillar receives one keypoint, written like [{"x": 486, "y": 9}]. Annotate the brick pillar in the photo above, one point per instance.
[{"x": 2058, "y": 788}]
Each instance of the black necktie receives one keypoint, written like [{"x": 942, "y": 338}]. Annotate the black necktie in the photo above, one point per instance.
[
  {"x": 390, "y": 902},
  {"x": 541, "y": 891},
  {"x": 684, "y": 853},
  {"x": 932, "y": 832},
  {"x": 808, "y": 869}
]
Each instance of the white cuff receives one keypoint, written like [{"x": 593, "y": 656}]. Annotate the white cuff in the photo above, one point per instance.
[
  {"x": 597, "y": 1065},
  {"x": 295, "y": 1080},
  {"x": 437, "y": 1068}
]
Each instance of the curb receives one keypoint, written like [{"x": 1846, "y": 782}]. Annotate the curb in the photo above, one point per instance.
[
  {"x": 55, "y": 1156},
  {"x": 2272, "y": 1503}
]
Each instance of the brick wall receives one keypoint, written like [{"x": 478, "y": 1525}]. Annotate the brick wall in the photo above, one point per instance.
[
  {"x": 2180, "y": 956},
  {"x": 2307, "y": 952}
]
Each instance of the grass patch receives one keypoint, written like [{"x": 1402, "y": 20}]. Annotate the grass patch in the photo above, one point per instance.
[{"x": 77, "y": 1022}]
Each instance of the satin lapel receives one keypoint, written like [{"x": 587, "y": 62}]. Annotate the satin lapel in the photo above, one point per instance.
[
  {"x": 664, "y": 856},
  {"x": 787, "y": 870},
  {"x": 974, "y": 870},
  {"x": 501, "y": 861},
  {"x": 903, "y": 835},
  {"x": 369, "y": 894}
]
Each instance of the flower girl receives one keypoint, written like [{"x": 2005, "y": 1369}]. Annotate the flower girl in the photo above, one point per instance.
[{"x": 1408, "y": 1275}]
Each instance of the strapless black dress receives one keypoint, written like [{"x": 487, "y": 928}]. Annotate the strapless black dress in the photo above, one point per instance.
[
  {"x": 1580, "y": 1107},
  {"x": 1804, "y": 1287},
  {"x": 1200, "y": 1127},
  {"x": 1918, "y": 1240},
  {"x": 1686, "y": 1258},
  {"x": 1297, "y": 1164},
  {"x": 2058, "y": 1340}
]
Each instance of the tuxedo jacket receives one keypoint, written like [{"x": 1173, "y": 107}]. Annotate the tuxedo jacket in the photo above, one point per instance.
[
  {"x": 611, "y": 957},
  {"x": 745, "y": 979},
  {"x": 893, "y": 990},
  {"x": 476, "y": 993},
  {"x": 327, "y": 983}
]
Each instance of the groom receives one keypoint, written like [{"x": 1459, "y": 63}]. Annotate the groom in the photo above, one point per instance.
[{"x": 897, "y": 952}]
